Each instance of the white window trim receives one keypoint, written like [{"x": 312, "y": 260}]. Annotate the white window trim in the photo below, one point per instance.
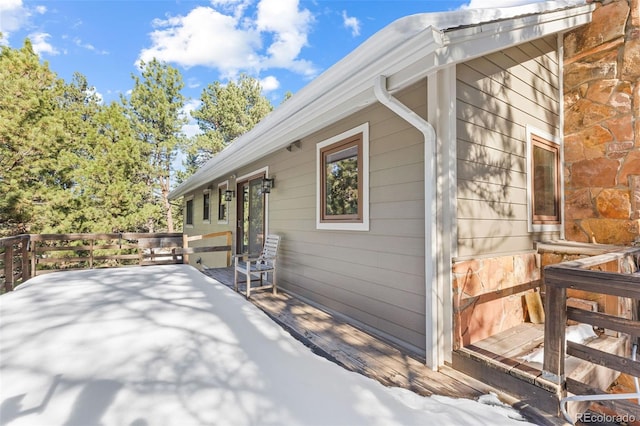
[
  {"x": 345, "y": 226},
  {"x": 206, "y": 191},
  {"x": 189, "y": 198},
  {"x": 222, "y": 222},
  {"x": 260, "y": 171},
  {"x": 535, "y": 227},
  {"x": 264, "y": 170}
]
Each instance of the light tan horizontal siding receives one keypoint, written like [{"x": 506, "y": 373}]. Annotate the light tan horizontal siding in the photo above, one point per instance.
[
  {"x": 483, "y": 191},
  {"x": 491, "y": 138},
  {"x": 374, "y": 277},
  {"x": 477, "y": 171},
  {"x": 470, "y": 209},
  {"x": 498, "y": 96},
  {"x": 469, "y": 247},
  {"x": 399, "y": 323}
]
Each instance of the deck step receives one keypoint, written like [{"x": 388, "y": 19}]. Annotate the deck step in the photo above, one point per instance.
[{"x": 505, "y": 354}]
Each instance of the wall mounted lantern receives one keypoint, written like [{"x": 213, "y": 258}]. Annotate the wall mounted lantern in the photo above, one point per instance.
[
  {"x": 229, "y": 194},
  {"x": 267, "y": 184}
]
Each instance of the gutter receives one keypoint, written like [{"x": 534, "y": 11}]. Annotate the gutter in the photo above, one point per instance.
[{"x": 431, "y": 289}]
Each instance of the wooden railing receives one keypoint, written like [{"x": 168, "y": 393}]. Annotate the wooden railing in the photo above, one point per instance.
[
  {"x": 228, "y": 239},
  {"x": 14, "y": 261},
  {"x": 25, "y": 256},
  {"x": 613, "y": 274}
]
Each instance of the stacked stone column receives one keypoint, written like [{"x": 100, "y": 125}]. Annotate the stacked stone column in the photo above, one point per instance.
[{"x": 602, "y": 126}]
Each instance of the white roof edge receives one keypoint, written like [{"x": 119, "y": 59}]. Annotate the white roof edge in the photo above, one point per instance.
[{"x": 425, "y": 33}]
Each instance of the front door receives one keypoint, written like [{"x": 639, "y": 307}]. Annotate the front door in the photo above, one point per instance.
[{"x": 250, "y": 225}]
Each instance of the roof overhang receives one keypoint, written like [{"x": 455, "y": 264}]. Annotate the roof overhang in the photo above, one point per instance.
[{"x": 406, "y": 51}]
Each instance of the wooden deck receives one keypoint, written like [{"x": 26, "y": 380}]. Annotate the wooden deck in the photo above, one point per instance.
[{"x": 363, "y": 353}]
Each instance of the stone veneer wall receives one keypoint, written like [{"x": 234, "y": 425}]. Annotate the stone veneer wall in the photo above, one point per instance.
[
  {"x": 607, "y": 304},
  {"x": 602, "y": 126},
  {"x": 488, "y": 295}
]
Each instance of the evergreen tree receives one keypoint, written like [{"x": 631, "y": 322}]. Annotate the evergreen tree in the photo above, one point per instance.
[
  {"x": 227, "y": 111},
  {"x": 155, "y": 109},
  {"x": 76, "y": 108},
  {"x": 31, "y": 135},
  {"x": 113, "y": 177}
]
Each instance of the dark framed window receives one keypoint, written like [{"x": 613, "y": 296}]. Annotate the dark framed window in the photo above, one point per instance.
[
  {"x": 341, "y": 182},
  {"x": 545, "y": 181},
  {"x": 206, "y": 206},
  {"x": 188, "y": 212}
]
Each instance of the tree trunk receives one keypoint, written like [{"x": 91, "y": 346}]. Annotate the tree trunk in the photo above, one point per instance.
[{"x": 164, "y": 182}]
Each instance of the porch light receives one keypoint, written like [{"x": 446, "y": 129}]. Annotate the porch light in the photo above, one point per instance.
[
  {"x": 267, "y": 184},
  {"x": 229, "y": 194}
]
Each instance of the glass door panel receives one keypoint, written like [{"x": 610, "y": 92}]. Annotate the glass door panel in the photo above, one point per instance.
[{"x": 250, "y": 216}]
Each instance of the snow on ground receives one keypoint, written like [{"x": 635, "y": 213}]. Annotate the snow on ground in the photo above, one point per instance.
[
  {"x": 166, "y": 345},
  {"x": 579, "y": 333}
]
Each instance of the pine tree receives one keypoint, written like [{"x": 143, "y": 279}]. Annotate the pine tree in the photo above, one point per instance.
[
  {"x": 227, "y": 111},
  {"x": 31, "y": 136},
  {"x": 155, "y": 109}
]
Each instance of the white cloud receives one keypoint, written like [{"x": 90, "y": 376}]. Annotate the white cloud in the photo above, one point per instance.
[
  {"x": 204, "y": 37},
  {"x": 351, "y": 23},
  {"x": 233, "y": 40},
  {"x": 14, "y": 16},
  {"x": 41, "y": 45},
  {"x": 191, "y": 128},
  {"x": 193, "y": 83},
  {"x": 289, "y": 27},
  {"x": 269, "y": 84},
  {"x": 238, "y": 7},
  {"x": 89, "y": 46}
]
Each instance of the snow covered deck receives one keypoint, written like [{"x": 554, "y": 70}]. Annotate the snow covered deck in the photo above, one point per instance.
[{"x": 166, "y": 345}]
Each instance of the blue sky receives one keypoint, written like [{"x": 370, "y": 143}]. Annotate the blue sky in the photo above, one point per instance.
[{"x": 283, "y": 43}]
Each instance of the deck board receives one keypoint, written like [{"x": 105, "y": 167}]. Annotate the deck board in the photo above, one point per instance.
[
  {"x": 355, "y": 349},
  {"x": 514, "y": 342}
]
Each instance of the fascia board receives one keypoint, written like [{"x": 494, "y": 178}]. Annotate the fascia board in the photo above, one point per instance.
[
  {"x": 464, "y": 44},
  {"x": 518, "y": 28}
]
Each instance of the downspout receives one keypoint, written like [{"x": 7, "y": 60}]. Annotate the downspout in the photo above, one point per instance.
[{"x": 431, "y": 290}]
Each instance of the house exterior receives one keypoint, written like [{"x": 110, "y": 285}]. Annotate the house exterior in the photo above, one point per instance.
[{"x": 409, "y": 179}]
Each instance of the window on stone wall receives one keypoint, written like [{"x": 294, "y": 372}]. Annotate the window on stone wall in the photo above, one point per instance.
[{"x": 544, "y": 181}]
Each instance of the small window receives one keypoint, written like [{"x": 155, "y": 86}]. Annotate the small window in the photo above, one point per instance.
[
  {"x": 206, "y": 206},
  {"x": 188, "y": 214},
  {"x": 343, "y": 181},
  {"x": 544, "y": 183},
  {"x": 222, "y": 203}
]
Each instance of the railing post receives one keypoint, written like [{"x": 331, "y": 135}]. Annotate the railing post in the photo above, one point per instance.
[
  {"x": 554, "y": 333},
  {"x": 229, "y": 236},
  {"x": 24, "y": 257},
  {"x": 91, "y": 245},
  {"x": 33, "y": 247},
  {"x": 185, "y": 244},
  {"x": 8, "y": 267}
]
